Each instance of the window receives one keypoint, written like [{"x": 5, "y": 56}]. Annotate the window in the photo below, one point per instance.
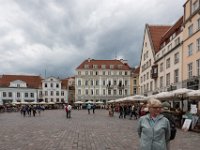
[
  {"x": 176, "y": 75},
  {"x": 198, "y": 24},
  {"x": 95, "y": 66},
  {"x": 151, "y": 85},
  {"x": 125, "y": 73},
  {"x": 169, "y": 47},
  {"x": 104, "y": 92},
  {"x": 86, "y": 92},
  {"x": 190, "y": 49},
  {"x": 120, "y": 73},
  {"x": 104, "y": 73},
  {"x": 91, "y": 73},
  {"x": 109, "y": 92},
  {"x": 18, "y": 94},
  {"x": 86, "y": 72},
  {"x": 198, "y": 44},
  {"x": 57, "y": 93},
  {"x": 32, "y": 95},
  {"x": 92, "y": 92},
  {"x": 189, "y": 70},
  {"x": 176, "y": 58},
  {"x": 177, "y": 41},
  {"x": 111, "y": 66},
  {"x": 115, "y": 82},
  {"x": 114, "y": 92},
  {"x": 79, "y": 82},
  {"x": 147, "y": 75},
  {"x": 57, "y": 99},
  {"x": 168, "y": 79},
  {"x": 97, "y": 82},
  {"x": 86, "y": 82},
  {"x": 4, "y": 94},
  {"x": 25, "y": 94},
  {"x": 168, "y": 63},
  {"x": 91, "y": 82},
  {"x": 57, "y": 85},
  {"x": 79, "y": 72},
  {"x": 190, "y": 30},
  {"x": 161, "y": 67},
  {"x": 62, "y": 93},
  {"x": 120, "y": 92},
  {"x": 198, "y": 67},
  {"x": 45, "y": 85},
  {"x": 103, "y": 66},
  {"x": 195, "y": 6},
  {"x": 51, "y": 85},
  {"x": 104, "y": 82},
  {"x": 96, "y": 73},
  {"x": 46, "y": 93},
  {"x": 86, "y": 66},
  {"x": 135, "y": 82},
  {"x": 126, "y": 92},
  {"x": 79, "y": 91},
  {"x": 10, "y": 94},
  {"x": 97, "y": 91},
  {"x": 51, "y": 93},
  {"x": 161, "y": 82}
]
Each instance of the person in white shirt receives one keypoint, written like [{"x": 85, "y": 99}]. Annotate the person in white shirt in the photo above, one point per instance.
[{"x": 69, "y": 108}]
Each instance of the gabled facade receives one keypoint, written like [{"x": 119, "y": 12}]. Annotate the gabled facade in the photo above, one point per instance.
[
  {"x": 151, "y": 40},
  {"x": 102, "y": 80},
  {"x": 191, "y": 44}
]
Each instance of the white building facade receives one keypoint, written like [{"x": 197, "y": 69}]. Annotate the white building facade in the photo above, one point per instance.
[{"x": 102, "y": 80}]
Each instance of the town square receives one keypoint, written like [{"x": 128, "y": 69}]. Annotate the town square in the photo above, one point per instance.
[
  {"x": 52, "y": 131},
  {"x": 100, "y": 75}
]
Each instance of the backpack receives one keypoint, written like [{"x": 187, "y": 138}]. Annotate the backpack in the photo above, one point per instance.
[{"x": 172, "y": 125}]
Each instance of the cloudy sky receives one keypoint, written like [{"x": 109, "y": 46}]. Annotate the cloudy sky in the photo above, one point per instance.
[{"x": 57, "y": 35}]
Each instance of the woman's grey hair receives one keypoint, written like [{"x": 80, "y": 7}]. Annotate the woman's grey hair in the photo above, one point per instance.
[{"x": 154, "y": 103}]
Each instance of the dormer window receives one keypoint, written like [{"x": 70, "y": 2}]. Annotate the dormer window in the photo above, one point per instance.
[
  {"x": 120, "y": 66},
  {"x": 103, "y": 66},
  {"x": 111, "y": 66},
  {"x": 86, "y": 66},
  {"x": 95, "y": 66}
]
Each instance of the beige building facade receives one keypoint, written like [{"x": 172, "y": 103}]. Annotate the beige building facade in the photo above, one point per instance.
[{"x": 191, "y": 44}]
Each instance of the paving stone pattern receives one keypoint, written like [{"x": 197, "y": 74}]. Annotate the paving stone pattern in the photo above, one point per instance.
[{"x": 53, "y": 131}]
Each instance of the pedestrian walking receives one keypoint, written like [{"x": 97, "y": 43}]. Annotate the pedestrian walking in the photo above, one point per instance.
[
  {"x": 66, "y": 110},
  {"x": 93, "y": 108},
  {"x": 121, "y": 111},
  {"x": 88, "y": 108},
  {"x": 69, "y": 107},
  {"x": 154, "y": 128}
]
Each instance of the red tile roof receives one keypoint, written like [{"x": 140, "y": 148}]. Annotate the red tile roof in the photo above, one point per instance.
[
  {"x": 107, "y": 63},
  {"x": 32, "y": 81},
  {"x": 137, "y": 70},
  {"x": 156, "y": 33},
  {"x": 176, "y": 28}
]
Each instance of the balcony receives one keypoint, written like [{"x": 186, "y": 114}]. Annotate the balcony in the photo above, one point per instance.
[{"x": 154, "y": 72}]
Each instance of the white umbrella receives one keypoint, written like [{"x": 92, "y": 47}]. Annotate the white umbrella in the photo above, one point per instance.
[
  {"x": 42, "y": 102},
  {"x": 79, "y": 102},
  {"x": 194, "y": 94},
  {"x": 164, "y": 95},
  {"x": 181, "y": 91},
  {"x": 99, "y": 102},
  {"x": 89, "y": 102},
  {"x": 16, "y": 103}
]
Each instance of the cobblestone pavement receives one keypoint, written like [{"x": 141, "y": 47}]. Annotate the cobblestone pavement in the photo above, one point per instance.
[{"x": 52, "y": 131}]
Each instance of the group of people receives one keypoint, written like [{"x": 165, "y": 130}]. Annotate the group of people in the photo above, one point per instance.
[
  {"x": 89, "y": 107},
  {"x": 29, "y": 110}
]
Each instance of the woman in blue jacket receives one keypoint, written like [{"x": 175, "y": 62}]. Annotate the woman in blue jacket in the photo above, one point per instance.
[{"x": 154, "y": 128}]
